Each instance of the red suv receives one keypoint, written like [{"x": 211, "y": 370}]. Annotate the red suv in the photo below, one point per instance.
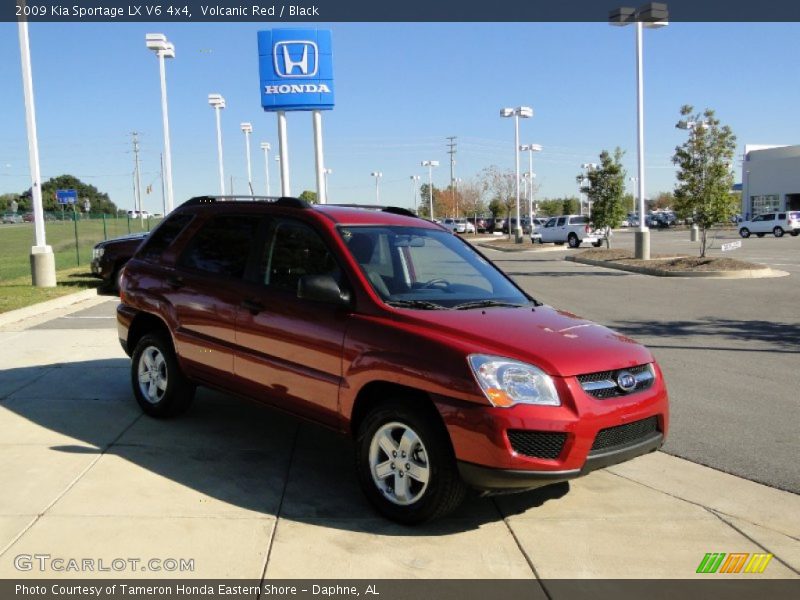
[{"x": 384, "y": 326}]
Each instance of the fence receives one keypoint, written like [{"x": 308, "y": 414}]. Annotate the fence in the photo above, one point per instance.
[{"x": 71, "y": 235}]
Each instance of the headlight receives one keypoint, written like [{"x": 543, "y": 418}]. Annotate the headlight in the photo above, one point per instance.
[
  {"x": 98, "y": 252},
  {"x": 507, "y": 382}
]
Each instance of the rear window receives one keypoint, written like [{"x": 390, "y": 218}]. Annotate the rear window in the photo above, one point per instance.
[
  {"x": 794, "y": 215},
  {"x": 163, "y": 236},
  {"x": 578, "y": 220}
]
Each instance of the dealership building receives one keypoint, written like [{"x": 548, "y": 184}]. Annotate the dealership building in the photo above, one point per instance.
[{"x": 770, "y": 179}]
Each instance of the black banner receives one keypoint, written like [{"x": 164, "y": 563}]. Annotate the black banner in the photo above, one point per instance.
[
  {"x": 716, "y": 587},
  {"x": 316, "y": 11}
]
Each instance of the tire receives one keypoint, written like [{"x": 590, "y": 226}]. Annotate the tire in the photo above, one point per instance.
[
  {"x": 777, "y": 232},
  {"x": 744, "y": 232},
  {"x": 760, "y": 235},
  {"x": 159, "y": 385},
  {"x": 573, "y": 241},
  {"x": 795, "y": 233},
  {"x": 598, "y": 243},
  {"x": 435, "y": 491}
]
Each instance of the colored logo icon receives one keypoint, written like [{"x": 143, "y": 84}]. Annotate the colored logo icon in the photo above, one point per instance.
[{"x": 736, "y": 562}]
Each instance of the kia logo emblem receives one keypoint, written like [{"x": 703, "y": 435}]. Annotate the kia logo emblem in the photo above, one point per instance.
[{"x": 626, "y": 381}]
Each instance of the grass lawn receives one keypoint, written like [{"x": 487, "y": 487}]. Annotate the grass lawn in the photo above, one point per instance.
[{"x": 18, "y": 292}]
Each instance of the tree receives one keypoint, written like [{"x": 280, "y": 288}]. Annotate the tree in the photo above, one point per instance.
[
  {"x": 705, "y": 179},
  {"x": 470, "y": 199},
  {"x": 501, "y": 187},
  {"x": 309, "y": 196},
  {"x": 606, "y": 191},
  {"x": 423, "y": 207},
  {"x": 570, "y": 206},
  {"x": 99, "y": 201},
  {"x": 662, "y": 201}
]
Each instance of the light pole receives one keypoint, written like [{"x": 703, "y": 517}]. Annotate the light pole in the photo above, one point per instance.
[
  {"x": 414, "y": 180},
  {"x": 247, "y": 129},
  {"x": 588, "y": 167},
  {"x": 377, "y": 175},
  {"x": 158, "y": 43},
  {"x": 633, "y": 181},
  {"x": 525, "y": 112},
  {"x": 43, "y": 262},
  {"x": 326, "y": 172},
  {"x": 265, "y": 146},
  {"x": 456, "y": 182},
  {"x": 531, "y": 148},
  {"x": 652, "y": 15},
  {"x": 430, "y": 164},
  {"x": 217, "y": 102}
]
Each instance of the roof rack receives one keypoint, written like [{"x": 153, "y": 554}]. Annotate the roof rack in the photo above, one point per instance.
[
  {"x": 286, "y": 201},
  {"x": 395, "y": 210}
]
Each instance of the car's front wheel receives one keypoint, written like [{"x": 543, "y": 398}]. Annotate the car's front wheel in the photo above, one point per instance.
[
  {"x": 744, "y": 232},
  {"x": 406, "y": 465},
  {"x": 160, "y": 387}
]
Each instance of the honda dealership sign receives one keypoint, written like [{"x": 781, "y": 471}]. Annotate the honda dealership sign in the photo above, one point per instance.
[{"x": 296, "y": 69}]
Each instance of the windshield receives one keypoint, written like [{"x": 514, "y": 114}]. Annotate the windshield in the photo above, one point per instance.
[{"x": 428, "y": 269}]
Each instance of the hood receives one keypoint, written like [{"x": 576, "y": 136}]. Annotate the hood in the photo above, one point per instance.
[
  {"x": 131, "y": 237},
  {"x": 556, "y": 341}
]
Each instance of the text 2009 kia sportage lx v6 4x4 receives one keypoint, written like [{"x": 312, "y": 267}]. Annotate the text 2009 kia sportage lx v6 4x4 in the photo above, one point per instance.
[{"x": 383, "y": 325}]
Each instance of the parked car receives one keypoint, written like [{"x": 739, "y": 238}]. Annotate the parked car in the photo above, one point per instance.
[
  {"x": 498, "y": 224},
  {"x": 524, "y": 222},
  {"x": 537, "y": 224},
  {"x": 385, "y": 327},
  {"x": 776, "y": 223},
  {"x": 464, "y": 226},
  {"x": 449, "y": 224},
  {"x": 136, "y": 214},
  {"x": 570, "y": 229},
  {"x": 480, "y": 223},
  {"x": 12, "y": 218},
  {"x": 110, "y": 256}
]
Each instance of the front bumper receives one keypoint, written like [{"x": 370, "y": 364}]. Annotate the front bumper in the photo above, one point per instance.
[{"x": 488, "y": 479}]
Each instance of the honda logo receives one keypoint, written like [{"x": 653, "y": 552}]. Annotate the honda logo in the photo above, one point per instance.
[{"x": 296, "y": 58}]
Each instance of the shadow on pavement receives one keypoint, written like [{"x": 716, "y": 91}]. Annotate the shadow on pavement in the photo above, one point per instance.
[{"x": 225, "y": 452}]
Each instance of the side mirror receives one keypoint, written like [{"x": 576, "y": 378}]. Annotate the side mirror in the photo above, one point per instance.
[{"x": 322, "y": 288}]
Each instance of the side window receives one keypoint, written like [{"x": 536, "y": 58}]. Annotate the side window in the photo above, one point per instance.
[
  {"x": 550, "y": 223},
  {"x": 222, "y": 246},
  {"x": 781, "y": 216},
  {"x": 561, "y": 221},
  {"x": 758, "y": 218},
  {"x": 578, "y": 221},
  {"x": 163, "y": 236},
  {"x": 294, "y": 250}
]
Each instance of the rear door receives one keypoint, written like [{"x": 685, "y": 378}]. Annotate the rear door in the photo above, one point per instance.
[{"x": 289, "y": 350}]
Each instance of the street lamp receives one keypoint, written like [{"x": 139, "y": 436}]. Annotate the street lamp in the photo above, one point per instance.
[
  {"x": 377, "y": 175},
  {"x": 247, "y": 129},
  {"x": 430, "y": 164},
  {"x": 456, "y": 181},
  {"x": 157, "y": 42},
  {"x": 266, "y": 147},
  {"x": 414, "y": 180},
  {"x": 530, "y": 148},
  {"x": 633, "y": 181},
  {"x": 588, "y": 167},
  {"x": 525, "y": 112},
  {"x": 652, "y": 15},
  {"x": 326, "y": 172},
  {"x": 217, "y": 102}
]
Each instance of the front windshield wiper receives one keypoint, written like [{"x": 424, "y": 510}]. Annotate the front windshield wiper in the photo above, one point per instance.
[
  {"x": 421, "y": 304},
  {"x": 486, "y": 304}
]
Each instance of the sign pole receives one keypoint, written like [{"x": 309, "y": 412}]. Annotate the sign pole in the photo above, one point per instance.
[
  {"x": 321, "y": 191},
  {"x": 283, "y": 147}
]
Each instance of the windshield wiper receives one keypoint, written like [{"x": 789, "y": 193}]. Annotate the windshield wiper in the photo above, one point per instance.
[
  {"x": 421, "y": 304},
  {"x": 486, "y": 304}
]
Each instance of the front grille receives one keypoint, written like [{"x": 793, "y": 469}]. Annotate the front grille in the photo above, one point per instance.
[
  {"x": 603, "y": 384},
  {"x": 537, "y": 444},
  {"x": 624, "y": 435}
]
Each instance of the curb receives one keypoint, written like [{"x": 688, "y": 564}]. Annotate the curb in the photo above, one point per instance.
[
  {"x": 526, "y": 248},
  {"x": 20, "y": 314},
  {"x": 745, "y": 274}
]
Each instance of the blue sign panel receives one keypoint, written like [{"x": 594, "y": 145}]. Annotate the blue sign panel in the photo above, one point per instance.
[
  {"x": 295, "y": 69},
  {"x": 67, "y": 196}
]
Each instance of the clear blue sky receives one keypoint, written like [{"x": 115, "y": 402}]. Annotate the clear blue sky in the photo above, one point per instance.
[{"x": 400, "y": 89}]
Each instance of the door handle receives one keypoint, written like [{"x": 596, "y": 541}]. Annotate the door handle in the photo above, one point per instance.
[
  {"x": 254, "y": 306},
  {"x": 175, "y": 282}
]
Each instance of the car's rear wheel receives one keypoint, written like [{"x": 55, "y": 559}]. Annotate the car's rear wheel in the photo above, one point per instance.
[
  {"x": 744, "y": 232},
  {"x": 160, "y": 387},
  {"x": 598, "y": 243},
  {"x": 405, "y": 464},
  {"x": 795, "y": 233},
  {"x": 573, "y": 240},
  {"x": 778, "y": 232}
]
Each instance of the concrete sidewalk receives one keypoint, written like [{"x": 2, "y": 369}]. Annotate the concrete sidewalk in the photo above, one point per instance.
[{"x": 247, "y": 492}]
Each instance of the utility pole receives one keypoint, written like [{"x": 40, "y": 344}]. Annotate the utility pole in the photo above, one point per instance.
[
  {"x": 451, "y": 150},
  {"x": 137, "y": 183}
]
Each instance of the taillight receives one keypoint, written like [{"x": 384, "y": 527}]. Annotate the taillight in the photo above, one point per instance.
[{"x": 586, "y": 229}]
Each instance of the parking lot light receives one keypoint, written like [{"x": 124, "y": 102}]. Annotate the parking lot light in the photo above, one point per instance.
[
  {"x": 430, "y": 164},
  {"x": 652, "y": 15},
  {"x": 530, "y": 149},
  {"x": 158, "y": 43},
  {"x": 326, "y": 171},
  {"x": 266, "y": 147},
  {"x": 217, "y": 102},
  {"x": 377, "y": 175},
  {"x": 247, "y": 129},
  {"x": 414, "y": 180},
  {"x": 524, "y": 112}
]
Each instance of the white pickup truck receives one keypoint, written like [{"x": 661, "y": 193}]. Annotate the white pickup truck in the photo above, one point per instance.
[{"x": 571, "y": 229}]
